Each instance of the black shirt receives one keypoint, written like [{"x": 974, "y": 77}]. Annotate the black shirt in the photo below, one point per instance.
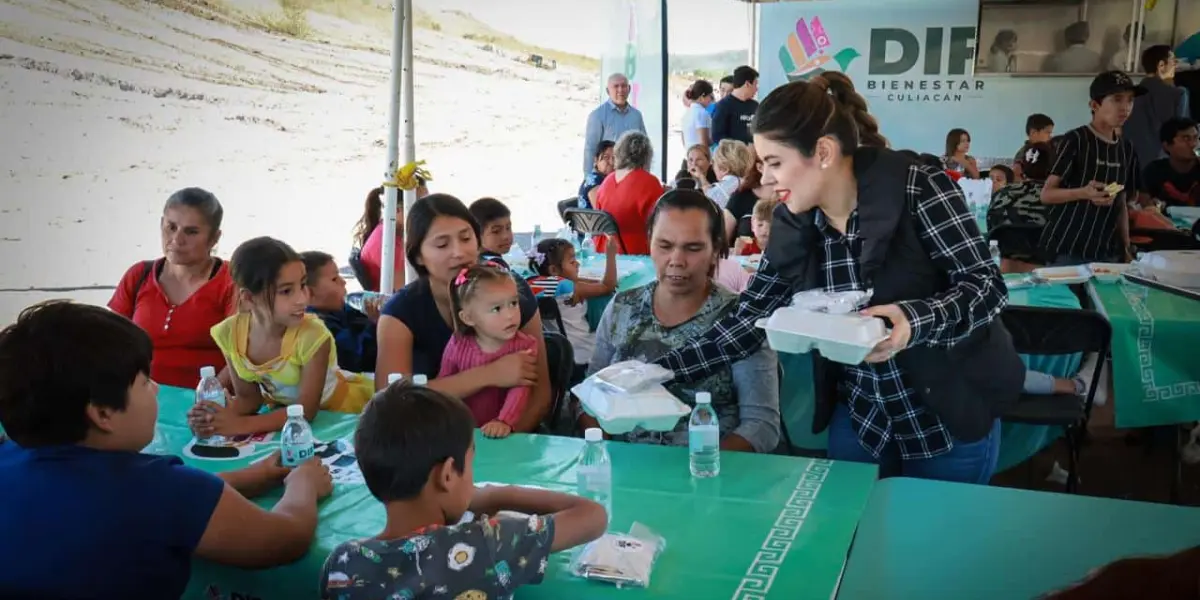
[
  {"x": 414, "y": 306},
  {"x": 1079, "y": 228},
  {"x": 731, "y": 119},
  {"x": 741, "y": 204},
  {"x": 1164, "y": 183}
]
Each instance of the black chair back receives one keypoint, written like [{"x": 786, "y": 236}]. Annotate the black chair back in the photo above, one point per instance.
[
  {"x": 1018, "y": 240},
  {"x": 1057, "y": 331},
  {"x": 548, "y": 307},
  {"x": 564, "y": 206},
  {"x": 594, "y": 222},
  {"x": 360, "y": 271},
  {"x": 1164, "y": 239},
  {"x": 561, "y": 358}
]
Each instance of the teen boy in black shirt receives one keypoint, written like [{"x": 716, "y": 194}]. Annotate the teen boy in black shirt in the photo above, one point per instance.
[{"x": 1087, "y": 218}]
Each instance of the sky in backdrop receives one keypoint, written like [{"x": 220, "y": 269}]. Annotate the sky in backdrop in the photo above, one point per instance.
[{"x": 579, "y": 26}]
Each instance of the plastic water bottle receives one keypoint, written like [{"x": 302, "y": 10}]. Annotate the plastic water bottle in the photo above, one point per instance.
[
  {"x": 296, "y": 439},
  {"x": 593, "y": 476},
  {"x": 537, "y": 236},
  {"x": 395, "y": 377},
  {"x": 994, "y": 249},
  {"x": 587, "y": 248},
  {"x": 704, "y": 438},
  {"x": 210, "y": 389},
  {"x": 420, "y": 380}
]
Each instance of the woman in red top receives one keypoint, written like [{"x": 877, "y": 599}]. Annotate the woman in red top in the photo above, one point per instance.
[
  {"x": 630, "y": 193},
  {"x": 177, "y": 299}
]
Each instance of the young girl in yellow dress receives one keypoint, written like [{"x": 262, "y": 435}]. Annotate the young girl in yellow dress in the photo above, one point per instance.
[{"x": 277, "y": 352}]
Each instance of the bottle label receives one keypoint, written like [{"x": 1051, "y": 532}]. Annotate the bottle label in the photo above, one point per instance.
[
  {"x": 594, "y": 479},
  {"x": 294, "y": 456},
  {"x": 704, "y": 438}
]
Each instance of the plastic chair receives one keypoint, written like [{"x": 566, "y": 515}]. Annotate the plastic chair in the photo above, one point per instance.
[
  {"x": 1058, "y": 331},
  {"x": 548, "y": 307},
  {"x": 360, "y": 271},
  {"x": 561, "y": 358},
  {"x": 564, "y": 206},
  {"x": 594, "y": 222}
]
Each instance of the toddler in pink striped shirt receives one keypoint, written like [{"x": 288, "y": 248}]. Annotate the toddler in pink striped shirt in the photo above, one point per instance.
[{"x": 487, "y": 321}]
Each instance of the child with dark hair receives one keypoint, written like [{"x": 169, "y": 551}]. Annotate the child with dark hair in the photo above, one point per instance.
[
  {"x": 602, "y": 165},
  {"x": 495, "y": 227},
  {"x": 1001, "y": 176},
  {"x": 277, "y": 352},
  {"x": 1039, "y": 129},
  {"x": 416, "y": 450},
  {"x": 79, "y": 406},
  {"x": 353, "y": 331},
  {"x": 486, "y": 310},
  {"x": 554, "y": 262}
]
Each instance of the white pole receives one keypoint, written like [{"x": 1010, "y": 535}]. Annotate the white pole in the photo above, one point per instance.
[
  {"x": 410, "y": 140},
  {"x": 387, "y": 274},
  {"x": 1135, "y": 49}
]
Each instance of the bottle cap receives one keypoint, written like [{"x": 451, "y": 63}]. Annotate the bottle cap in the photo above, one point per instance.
[
  {"x": 703, "y": 398},
  {"x": 394, "y": 377},
  {"x": 593, "y": 434},
  {"x": 419, "y": 379},
  {"x": 295, "y": 410},
  {"x": 993, "y": 243},
  {"x": 208, "y": 372}
]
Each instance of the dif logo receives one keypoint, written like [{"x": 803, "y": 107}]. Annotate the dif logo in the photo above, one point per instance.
[{"x": 949, "y": 51}]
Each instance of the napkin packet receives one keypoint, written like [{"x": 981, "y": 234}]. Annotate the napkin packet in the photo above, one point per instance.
[
  {"x": 620, "y": 559},
  {"x": 630, "y": 394}
]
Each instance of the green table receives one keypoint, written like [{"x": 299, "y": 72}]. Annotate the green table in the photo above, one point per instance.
[
  {"x": 1156, "y": 376},
  {"x": 768, "y": 527},
  {"x": 931, "y": 539}
]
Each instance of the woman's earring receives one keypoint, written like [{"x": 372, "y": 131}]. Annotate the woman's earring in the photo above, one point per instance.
[{"x": 823, "y": 165}]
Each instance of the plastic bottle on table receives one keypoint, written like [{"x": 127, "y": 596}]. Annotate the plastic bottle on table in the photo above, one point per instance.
[
  {"x": 994, "y": 249},
  {"x": 704, "y": 438},
  {"x": 537, "y": 237},
  {"x": 296, "y": 439},
  {"x": 210, "y": 389},
  {"x": 394, "y": 377},
  {"x": 420, "y": 380},
  {"x": 593, "y": 476}
]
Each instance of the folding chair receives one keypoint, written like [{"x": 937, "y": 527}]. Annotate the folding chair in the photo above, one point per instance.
[
  {"x": 785, "y": 442},
  {"x": 360, "y": 271},
  {"x": 1058, "y": 331},
  {"x": 548, "y": 307},
  {"x": 561, "y": 358},
  {"x": 564, "y": 206},
  {"x": 594, "y": 222}
]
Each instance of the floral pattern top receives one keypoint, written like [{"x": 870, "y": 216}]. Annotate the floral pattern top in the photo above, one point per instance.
[{"x": 480, "y": 560}]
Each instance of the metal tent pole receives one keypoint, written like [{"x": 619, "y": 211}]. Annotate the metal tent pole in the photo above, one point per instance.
[{"x": 387, "y": 273}]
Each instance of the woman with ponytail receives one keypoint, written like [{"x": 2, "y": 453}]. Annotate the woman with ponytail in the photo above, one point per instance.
[
  {"x": 697, "y": 123},
  {"x": 856, "y": 216},
  {"x": 368, "y": 236}
]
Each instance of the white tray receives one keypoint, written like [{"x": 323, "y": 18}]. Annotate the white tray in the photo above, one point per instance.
[
  {"x": 1108, "y": 272},
  {"x": 1064, "y": 275}
]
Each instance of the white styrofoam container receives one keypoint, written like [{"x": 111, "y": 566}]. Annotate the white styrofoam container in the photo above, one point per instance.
[
  {"x": 652, "y": 409},
  {"x": 1189, "y": 213},
  {"x": 845, "y": 338},
  {"x": 1180, "y": 268}
]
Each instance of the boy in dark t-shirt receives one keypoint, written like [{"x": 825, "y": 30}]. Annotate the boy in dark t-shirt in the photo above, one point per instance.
[
  {"x": 1039, "y": 128},
  {"x": 1175, "y": 180},
  {"x": 731, "y": 118},
  {"x": 416, "y": 450},
  {"x": 1095, "y": 172}
]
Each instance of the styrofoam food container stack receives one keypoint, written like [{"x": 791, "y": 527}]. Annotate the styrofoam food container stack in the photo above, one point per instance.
[
  {"x": 652, "y": 408},
  {"x": 1180, "y": 268},
  {"x": 842, "y": 338}
]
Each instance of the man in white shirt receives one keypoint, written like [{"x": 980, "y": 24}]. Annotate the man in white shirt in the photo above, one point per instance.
[
  {"x": 609, "y": 120},
  {"x": 1077, "y": 58}
]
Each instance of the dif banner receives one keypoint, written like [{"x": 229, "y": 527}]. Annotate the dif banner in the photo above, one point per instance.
[
  {"x": 634, "y": 49},
  {"x": 913, "y": 61}
]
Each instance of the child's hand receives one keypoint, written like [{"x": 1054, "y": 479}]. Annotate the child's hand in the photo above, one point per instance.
[
  {"x": 497, "y": 429},
  {"x": 610, "y": 247},
  {"x": 209, "y": 418},
  {"x": 371, "y": 307},
  {"x": 271, "y": 469}
]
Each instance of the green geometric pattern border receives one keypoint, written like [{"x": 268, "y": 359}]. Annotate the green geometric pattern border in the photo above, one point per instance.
[{"x": 1151, "y": 392}]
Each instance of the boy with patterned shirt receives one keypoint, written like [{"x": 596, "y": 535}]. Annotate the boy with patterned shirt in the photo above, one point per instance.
[{"x": 416, "y": 450}]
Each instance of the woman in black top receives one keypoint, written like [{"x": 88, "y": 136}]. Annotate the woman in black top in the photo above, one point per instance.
[{"x": 857, "y": 216}]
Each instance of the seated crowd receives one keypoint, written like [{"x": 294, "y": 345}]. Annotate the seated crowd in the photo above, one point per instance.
[{"x": 812, "y": 195}]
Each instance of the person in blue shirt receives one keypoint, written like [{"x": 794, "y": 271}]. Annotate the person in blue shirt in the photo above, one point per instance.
[
  {"x": 611, "y": 119},
  {"x": 725, "y": 88},
  {"x": 84, "y": 514},
  {"x": 603, "y": 166},
  {"x": 353, "y": 331}
]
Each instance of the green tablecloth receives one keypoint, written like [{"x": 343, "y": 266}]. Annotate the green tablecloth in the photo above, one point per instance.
[
  {"x": 1156, "y": 378},
  {"x": 767, "y": 524},
  {"x": 930, "y": 539}
]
